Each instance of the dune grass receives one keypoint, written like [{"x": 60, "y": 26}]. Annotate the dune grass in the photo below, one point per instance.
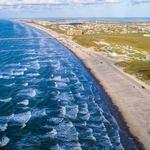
[
  {"x": 85, "y": 40},
  {"x": 137, "y": 41},
  {"x": 58, "y": 30},
  {"x": 139, "y": 68}
]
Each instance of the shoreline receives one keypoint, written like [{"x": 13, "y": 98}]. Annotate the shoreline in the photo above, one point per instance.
[{"x": 127, "y": 95}]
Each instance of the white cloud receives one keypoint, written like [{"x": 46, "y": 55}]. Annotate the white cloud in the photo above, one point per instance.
[
  {"x": 63, "y": 2},
  {"x": 53, "y": 2}
]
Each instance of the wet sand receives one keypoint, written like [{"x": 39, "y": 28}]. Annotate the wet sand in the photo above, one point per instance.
[{"x": 131, "y": 96}]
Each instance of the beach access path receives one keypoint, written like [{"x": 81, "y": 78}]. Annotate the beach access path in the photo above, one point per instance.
[{"x": 130, "y": 95}]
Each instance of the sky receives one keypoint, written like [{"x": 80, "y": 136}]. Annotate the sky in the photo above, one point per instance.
[{"x": 73, "y": 8}]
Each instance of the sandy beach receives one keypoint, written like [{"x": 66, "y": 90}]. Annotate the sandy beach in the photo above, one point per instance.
[{"x": 130, "y": 96}]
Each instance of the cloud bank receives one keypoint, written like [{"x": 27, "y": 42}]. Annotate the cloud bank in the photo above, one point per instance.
[
  {"x": 54, "y": 2},
  {"x": 48, "y": 3},
  {"x": 65, "y": 2}
]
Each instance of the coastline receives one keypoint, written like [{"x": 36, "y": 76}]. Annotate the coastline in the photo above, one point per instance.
[{"x": 127, "y": 94}]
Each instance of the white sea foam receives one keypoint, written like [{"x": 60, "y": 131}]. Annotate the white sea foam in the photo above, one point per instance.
[
  {"x": 35, "y": 65},
  {"x": 22, "y": 117},
  {"x": 84, "y": 109},
  {"x": 30, "y": 58},
  {"x": 63, "y": 127},
  {"x": 66, "y": 80},
  {"x": 96, "y": 118},
  {"x": 119, "y": 147},
  {"x": 100, "y": 127},
  {"x": 4, "y": 141},
  {"x": 106, "y": 140},
  {"x": 21, "y": 69},
  {"x": 83, "y": 123},
  {"x": 91, "y": 137},
  {"x": 31, "y": 50},
  {"x": 66, "y": 97},
  {"x": 30, "y": 53},
  {"x": 57, "y": 78},
  {"x": 6, "y": 118},
  {"x": 27, "y": 92},
  {"x": 1, "y": 76},
  {"x": 13, "y": 65},
  {"x": 36, "y": 80},
  {"x": 105, "y": 120},
  {"x": 23, "y": 125},
  {"x": 70, "y": 124},
  {"x": 90, "y": 130},
  {"x": 10, "y": 85},
  {"x": 38, "y": 113},
  {"x": 32, "y": 93},
  {"x": 17, "y": 73},
  {"x": 77, "y": 146},
  {"x": 25, "y": 84},
  {"x": 3, "y": 127},
  {"x": 96, "y": 106},
  {"x": 67, "y": 132},
  {"x": 72, "y": 111},
  {"x": 116, "y": 139},
  {"x": 24, "y": 102},
  {"x": 55, "y": 120},
  {"x": 78, "y": 95},
  {"x": 81, "y": 88},
  {"x": 33, "y": 74},
  {"x": 7, "y": 77},
  {"x": 56, "y": 65},
  {"x": 63, "y": 110},
  {"x": 26, "y": 66},
  {"x": 6, "y": 100},
  {"x": 61, "y": 84},
  {"x": 77, "y": 82},
  {"x": 85, "y": 116},
  {"x": 53, "y": 133}
]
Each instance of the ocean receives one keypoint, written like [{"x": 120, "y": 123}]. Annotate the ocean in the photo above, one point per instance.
[{"x": 49, "y": 100}]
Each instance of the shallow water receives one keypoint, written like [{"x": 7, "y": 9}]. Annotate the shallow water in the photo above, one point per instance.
[{"x": 48, "y": 100}]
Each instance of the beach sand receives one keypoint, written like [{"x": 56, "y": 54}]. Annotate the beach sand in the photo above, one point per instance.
[{"x": 130, "y": 95}]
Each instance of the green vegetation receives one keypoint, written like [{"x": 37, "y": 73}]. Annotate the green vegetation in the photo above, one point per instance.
[
  {"x": 118, "y": 51},
  {"x": 137, "y": 41},
  {"x": 139, "y": 68},
  {"x": 85, "y": 40},
  {"x": 58, "y": 30},
  {"x": 138, "y": 55}
]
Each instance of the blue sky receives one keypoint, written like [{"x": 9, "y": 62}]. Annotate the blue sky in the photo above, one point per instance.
[{"x": 74, "y": 8}]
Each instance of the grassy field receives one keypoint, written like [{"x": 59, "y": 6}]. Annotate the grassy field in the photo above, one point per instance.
[
  {"x": 58, "y": 30},
  {"x": 139, "y": 68},
  {"x": 85, "y": 40},
  {"x": 137, "y": 41}
]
